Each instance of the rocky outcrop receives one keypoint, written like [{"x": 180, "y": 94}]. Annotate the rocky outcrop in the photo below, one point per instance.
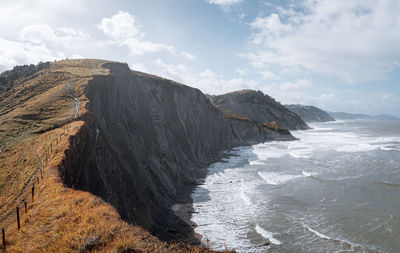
[
  {"x": 260, "y": 107},
  {"x": 310, "y": 113},
  {"x": 147, "y": 140}
]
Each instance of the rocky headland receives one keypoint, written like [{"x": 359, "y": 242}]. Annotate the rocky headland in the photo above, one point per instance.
[
  {"x": 260, "y": 107},
  {"x": 310, "y": 113}
]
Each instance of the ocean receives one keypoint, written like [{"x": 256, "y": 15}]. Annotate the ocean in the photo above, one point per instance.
[{"x": 336, "y": 189}]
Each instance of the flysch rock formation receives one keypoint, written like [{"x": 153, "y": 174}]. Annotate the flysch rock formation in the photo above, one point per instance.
[
  {"x": 260, "y": 107},
  {"x": 148, "y": 140},
  {"x": 310, "y": 113}
]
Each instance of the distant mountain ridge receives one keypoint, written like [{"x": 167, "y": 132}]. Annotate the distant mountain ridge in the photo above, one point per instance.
[
  {"x": 260, "y": 107},
  {"x": 345, "y": 115},
  {"x": 310, "y": 113}
]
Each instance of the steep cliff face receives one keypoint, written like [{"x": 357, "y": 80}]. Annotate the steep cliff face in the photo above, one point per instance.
[
  {"x": 310, "y": 113},
  {"x": 146, "y": 139},
  {"x": 260, "y": 107}
]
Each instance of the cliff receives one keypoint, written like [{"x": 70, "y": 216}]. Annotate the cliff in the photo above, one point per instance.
[
  {"x": 140, "y": 142},
  {"x": 149, "y": 138},
  {"x": 310, "y": 113},
  {"x": 260, "y": 107}
]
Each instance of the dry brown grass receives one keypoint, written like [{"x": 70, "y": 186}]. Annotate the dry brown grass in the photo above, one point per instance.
[
  {"x": 233, "y": 115},
  {"x": 60, "y": 219}
]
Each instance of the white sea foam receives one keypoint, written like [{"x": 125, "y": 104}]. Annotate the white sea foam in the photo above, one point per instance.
[
  {"x": 274, "y": 178},
  {"x": 339, "y": 141},
  {"x": 245, "y": 198},
  {"x": 339, "y": 240},
  {"x": 226, "y": 204},
  {"x": 301, "y": 149},
  {"x": 317, "y": 233},
  {"x": 309, "y": 174},
  {"x": 343, "y": 178},
  {"x": 390, "y": 148},
  {"x": 257, "y": 163},
  {"x": 300, "y": 154},
  {"x": 267, "y": 235},
  {"x": 356, "y": 147},
  {"x": 322, "y": 128},
  {"x": 321, "y": 138},
  {"x": 263, "y": 153}
]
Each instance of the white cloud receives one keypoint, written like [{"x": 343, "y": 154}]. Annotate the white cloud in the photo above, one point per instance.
[
  {"x": 138, "y": 47},
  {"x": 299, "y": 84},
  {"x": 327, "y": 96},
  {"x": 41, "y": 32},
  {"x": 241, "y": 71},
  {"x": 122, "y": 30},
  {"x": 188, "y": 56},
  {"x": 176, "y": 72},
  {"x": 41, "y": 42},
  {"x": 119, "y": 26},
  {"x": 16, "y": 14},
  {"x": 37, "y": 33},
  {"x": 268, "y": 27},
  {"x": 207, "y": 81},
  {"x": 223, "y": 2},
  {"x": 268, "y": 75},
  {"x": 354, "y": 40},
  {"x": 17, "y": 53},
  {"x": 139, "y": 66},
  {"x": 241, "y": 16}
]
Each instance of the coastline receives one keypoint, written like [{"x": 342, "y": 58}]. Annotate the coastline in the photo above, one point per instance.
[
  {"x": 183, "y": 206},
  {"x": 184, "y": 210}
]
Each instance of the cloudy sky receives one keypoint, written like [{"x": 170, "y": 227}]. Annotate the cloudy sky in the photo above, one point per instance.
[{"x": 341, "y": 55}]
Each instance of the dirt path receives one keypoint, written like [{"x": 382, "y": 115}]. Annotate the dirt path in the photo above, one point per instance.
[{"x": 74, "y": 98}]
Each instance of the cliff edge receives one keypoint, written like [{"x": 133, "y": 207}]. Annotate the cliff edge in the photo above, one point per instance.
[
  {"x": 260, "y": 107},
  {"x": 310, "y": 113},
  {"x": 149, "y": 139}
]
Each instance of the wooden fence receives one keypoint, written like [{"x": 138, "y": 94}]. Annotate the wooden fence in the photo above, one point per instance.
[
  {"x": 30, "y": 192},
  {"x": 22, "y": 207}
]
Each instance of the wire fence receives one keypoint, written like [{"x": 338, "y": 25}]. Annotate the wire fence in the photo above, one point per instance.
[
  {"x": 30, "y": 193},
  {"x": 23, "y": 206}
]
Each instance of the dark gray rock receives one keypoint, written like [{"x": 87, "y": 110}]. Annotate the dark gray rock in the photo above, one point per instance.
[
  {"x": 310, "y": 113},
  {"x": 260, "y": 107},
  {"x": 148, "y": 140}
]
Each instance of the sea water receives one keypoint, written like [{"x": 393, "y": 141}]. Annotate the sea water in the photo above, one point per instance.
[{"x": 335, "y": 189}]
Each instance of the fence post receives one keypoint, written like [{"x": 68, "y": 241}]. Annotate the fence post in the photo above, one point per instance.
[
  {"x": 18, "y": 223},
  {"x": 33, "y": 191},
  {"x": 4, "y": 238},
  {"x": 26, "y": 208}
]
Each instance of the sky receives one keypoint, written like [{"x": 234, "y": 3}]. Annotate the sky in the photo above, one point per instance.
[{"x": 341, "y": 55}]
